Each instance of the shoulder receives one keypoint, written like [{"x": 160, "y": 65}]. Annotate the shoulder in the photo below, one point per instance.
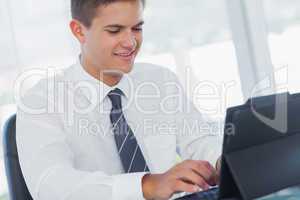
[{"x": 39, "y": 95}]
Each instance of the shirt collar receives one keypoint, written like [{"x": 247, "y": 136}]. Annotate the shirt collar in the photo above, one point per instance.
[{"x": 102, "y": 89}]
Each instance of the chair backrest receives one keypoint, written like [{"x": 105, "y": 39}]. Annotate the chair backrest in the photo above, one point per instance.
[{"x": 16, "y": 183}]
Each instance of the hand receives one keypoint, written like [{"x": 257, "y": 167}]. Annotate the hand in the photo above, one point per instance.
[
  {"x": 218, "y": 169},
  {"x": 187, "y": 176}
]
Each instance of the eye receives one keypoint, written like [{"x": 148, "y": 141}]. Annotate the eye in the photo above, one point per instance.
[
  {"x": 137, "y": 29},
  {"x": 113, "y": 31}
]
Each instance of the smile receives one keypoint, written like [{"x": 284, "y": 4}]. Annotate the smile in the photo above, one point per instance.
[{"x": 126, "y": 56}]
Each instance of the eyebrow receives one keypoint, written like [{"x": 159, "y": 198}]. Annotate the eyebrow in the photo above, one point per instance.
[{"x": 121, "y": 26}]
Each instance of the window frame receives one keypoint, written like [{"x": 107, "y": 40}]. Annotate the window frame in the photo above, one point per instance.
[{"x": 250, "y": 37}]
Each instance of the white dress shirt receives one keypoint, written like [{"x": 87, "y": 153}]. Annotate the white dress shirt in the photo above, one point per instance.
[{"x": 66, "y": 146}]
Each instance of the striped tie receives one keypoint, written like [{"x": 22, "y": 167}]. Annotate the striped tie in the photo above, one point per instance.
[{"x": 130, "y": 153}]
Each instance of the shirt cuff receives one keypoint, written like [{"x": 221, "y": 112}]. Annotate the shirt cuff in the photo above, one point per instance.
[{"x": 128, "y": 186}]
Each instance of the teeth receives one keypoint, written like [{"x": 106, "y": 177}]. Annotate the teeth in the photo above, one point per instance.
[{"x": 124, "y": 54}]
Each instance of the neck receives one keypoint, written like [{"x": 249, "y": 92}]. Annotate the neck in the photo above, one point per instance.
[{"x": 109, "y": 78}]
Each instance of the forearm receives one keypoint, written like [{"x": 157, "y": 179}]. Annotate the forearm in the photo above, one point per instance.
[{"x": 66, "y": 183}]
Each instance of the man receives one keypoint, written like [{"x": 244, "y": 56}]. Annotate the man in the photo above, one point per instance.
[{"x": 107, "y": 128}]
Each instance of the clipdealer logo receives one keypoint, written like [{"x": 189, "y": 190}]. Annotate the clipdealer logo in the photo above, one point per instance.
[{"x": 280, "y": 120}]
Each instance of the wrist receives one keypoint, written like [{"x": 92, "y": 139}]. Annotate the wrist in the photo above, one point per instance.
[{"x": 148, "y": 186}]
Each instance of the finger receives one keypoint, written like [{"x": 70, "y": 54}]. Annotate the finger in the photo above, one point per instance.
[
  {"x": 214, "y": 179},
  {"x": 181, "y": 186},
  {"x": 205, "y": 170},
  {"x": 189, "y": 176},
  {"x": 214, "y": 175}
]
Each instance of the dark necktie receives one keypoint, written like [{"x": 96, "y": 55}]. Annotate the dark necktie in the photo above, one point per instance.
[{"x": 128, "y": 148}]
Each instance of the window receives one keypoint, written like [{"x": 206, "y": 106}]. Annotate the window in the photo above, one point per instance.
[
  {"x": 283, "y": 23},
  {"x": 193, "y": 39}
]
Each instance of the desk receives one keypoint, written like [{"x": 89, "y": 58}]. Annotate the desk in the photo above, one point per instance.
[{"x": 292, "y": 193}]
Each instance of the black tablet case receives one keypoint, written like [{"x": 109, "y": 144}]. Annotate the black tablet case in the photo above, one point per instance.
[{"x": 258, "y": 160}]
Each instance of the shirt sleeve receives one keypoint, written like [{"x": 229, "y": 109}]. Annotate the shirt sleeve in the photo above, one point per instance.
[
  {"x": 49, "y": 167},
  {"x": 198, "y": 137}
]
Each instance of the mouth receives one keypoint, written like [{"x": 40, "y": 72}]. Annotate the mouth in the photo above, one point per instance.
[{"x": 126, "y": 55}]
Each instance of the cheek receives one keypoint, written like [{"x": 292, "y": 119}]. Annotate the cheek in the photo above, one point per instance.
[
  {"x": 101, "y": 47},
  {"x": 139, "y": 39},
  {"x": 91, "y": 44},
  {"x": 139, "y": 36},
  {"x": 106, "y": 44}
]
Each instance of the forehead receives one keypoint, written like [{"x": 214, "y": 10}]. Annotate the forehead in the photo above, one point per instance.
[{"x": 120, "y": 12}]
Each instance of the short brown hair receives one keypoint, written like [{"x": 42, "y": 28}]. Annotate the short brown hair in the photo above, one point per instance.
[{"x": 85, "y": 10}]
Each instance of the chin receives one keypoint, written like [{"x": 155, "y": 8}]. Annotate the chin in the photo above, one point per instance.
[
  {"x": 125, "y": 67},
  {"x": 119, "y": 70}
]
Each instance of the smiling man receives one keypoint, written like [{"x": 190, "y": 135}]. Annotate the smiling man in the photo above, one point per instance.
[
  {"x": 119, "y": 135},
  {"x": 110, "y": 36}
]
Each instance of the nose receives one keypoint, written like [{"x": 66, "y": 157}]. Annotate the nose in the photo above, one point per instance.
[{"x": 129, "y": 41}]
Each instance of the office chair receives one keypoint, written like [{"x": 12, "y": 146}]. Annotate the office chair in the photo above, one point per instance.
[{"x": 16, "y": 183}]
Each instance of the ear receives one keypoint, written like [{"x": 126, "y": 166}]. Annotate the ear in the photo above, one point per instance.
[{"x": 77, "y": 29}]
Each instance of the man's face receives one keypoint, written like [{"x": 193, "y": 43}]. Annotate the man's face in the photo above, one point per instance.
[{"x": 115, "y": 36}]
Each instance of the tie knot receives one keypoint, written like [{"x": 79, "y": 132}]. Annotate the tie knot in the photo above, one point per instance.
[{"x": 115, "y": 98}]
